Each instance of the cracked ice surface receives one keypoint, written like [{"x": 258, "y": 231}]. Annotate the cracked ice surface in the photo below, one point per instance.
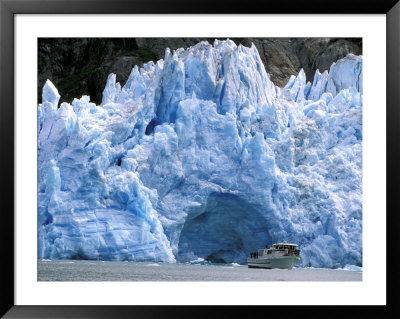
[{"x": 200, "y": 155}]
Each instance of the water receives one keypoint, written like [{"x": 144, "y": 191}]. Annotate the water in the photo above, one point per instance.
[{"x": 87, "y": 270}]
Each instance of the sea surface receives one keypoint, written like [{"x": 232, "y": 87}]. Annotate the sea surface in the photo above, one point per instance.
[{"x": 88, "y": 270}]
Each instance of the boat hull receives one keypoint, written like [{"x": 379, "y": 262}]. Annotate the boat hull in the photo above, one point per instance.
[{"x": 283, "y": 262}]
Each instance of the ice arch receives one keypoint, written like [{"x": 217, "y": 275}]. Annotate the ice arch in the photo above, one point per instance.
[{"x": 224, "y": 230}]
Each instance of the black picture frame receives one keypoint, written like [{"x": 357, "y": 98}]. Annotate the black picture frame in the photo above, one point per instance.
[{"x": 8, "y": 10}]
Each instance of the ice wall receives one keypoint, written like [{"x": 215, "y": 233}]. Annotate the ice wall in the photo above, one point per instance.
[{"x": 200, "y": 155}]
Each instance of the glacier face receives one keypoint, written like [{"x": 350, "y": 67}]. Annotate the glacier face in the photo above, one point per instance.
[{"x": 200, "y": 155}]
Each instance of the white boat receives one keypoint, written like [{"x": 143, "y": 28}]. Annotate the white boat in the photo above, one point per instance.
[{"x": 280, "y": 255}]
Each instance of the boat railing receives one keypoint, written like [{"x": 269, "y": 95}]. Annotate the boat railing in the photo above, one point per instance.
[{"x": 286, "y": 252}]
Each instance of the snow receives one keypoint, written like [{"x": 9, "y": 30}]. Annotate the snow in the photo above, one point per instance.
[{"x": 199, "y": 156}]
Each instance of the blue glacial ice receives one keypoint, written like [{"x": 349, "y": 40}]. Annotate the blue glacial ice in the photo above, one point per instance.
[{"x": 200, "y": 156}]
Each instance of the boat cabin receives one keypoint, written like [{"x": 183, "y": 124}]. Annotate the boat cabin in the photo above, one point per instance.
[
  {"x": 279, "y": 249},
  {"x": 283, "y": 246}
]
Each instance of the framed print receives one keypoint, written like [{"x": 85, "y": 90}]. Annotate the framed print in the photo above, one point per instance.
[{"x": 184, "y": 157}]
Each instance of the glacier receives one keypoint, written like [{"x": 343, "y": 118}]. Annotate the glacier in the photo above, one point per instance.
[{"x": 199, "y": 156}]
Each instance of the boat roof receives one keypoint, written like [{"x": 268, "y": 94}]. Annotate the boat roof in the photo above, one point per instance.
[{"x": 284, "y": 243}]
